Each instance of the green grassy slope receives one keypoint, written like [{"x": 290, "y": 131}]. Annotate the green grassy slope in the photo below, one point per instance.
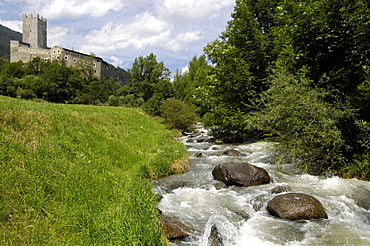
[{"x": 77, "y": 175}]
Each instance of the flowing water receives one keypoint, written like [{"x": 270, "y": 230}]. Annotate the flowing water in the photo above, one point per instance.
[{"x": 240, "y": 214}]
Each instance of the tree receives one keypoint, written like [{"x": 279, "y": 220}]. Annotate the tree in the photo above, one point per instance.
[
  {"x": 86, "y": 67},
  {"x": 146, "y": 72},
  {"x": 305, "y": 125},
  {"x": 186, "y": 82},
  {"x": 178, "y": 114},
  {"x": 241, "y": 57}
]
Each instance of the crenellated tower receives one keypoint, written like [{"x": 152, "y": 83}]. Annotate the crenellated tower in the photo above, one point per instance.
[{"x": 35, "y": 31}]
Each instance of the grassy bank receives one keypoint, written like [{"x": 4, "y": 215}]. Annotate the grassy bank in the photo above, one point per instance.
[{"x": 77, "y": 175}]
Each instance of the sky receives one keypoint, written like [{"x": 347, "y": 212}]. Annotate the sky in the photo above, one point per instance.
[{"x": 121, "y": 30}]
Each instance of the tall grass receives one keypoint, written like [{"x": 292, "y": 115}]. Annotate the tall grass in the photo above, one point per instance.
[{"x": 77, "y": 175}]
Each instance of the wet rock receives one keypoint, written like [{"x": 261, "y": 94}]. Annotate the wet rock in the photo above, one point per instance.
[
  {"x": 190, "y": 141},
  {"x": 204, "y": 140},
  {"x": 174, "y": 229},
  {"x": 215, "y": 238},
  {"x": 243, "y": 214},
  {"x": 281, "y": 189},
  {"x": 241, "y": 174},
  {"x": 199, "y": 154},
  {"x": 296, "y": 206},
  {"x": 232, "y": 152},
  {"x": 259, "y": 202}
]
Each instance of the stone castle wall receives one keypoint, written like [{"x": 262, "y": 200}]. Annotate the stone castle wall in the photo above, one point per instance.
[{"x": 34, "y": 45}]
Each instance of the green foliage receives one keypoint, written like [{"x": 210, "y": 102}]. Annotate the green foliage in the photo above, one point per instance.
[
  {"x": 241, "y": 56},
  {"x": 146, "y": 72},
  {"x": 150, "y": 85},
  {"x": 54, "y": 82},
  {"x": 177, "y": 114},
  {"x": 186, "y": 82},
  {"x": 76, "y": 175},
  {"x": 304, "y": 124},
  {"x": 318, "y": 52}
]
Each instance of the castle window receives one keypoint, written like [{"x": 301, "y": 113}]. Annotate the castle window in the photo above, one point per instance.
[
  {"x": 94, "y": 64},
  {"x": 54, "y": 51},
  {"x": 74, "y": 60},
  {"x": 66, "y": 57},
  {"x": 94, "y": 71}
]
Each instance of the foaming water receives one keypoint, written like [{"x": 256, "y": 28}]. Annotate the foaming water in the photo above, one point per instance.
[{"x": 240, "y": 213}]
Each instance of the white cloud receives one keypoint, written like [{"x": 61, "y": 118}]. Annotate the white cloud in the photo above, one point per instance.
[
  {"x": 146, "y": 30},
  {"x": 184, "y": 11},
  {"x": 14, "y": 25},
  {"x": 56, "y": 35},
  {"x": 54, "y": 9}
]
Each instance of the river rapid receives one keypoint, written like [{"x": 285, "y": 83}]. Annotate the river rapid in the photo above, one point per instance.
[{"x": 240, "y": 213}]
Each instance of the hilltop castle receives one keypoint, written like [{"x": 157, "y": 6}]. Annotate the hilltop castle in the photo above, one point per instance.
[{"x": 34, "y": 44}]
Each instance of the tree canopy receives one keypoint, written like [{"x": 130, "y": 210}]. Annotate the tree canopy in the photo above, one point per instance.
[{"x": 297, "y": 71}]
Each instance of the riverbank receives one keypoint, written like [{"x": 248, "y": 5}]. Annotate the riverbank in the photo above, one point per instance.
[{"x": 77, "y": 175}]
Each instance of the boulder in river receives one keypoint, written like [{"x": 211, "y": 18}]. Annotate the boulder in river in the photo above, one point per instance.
[
  {"x": 241, "y": 174},
  {"x": 232, "y": 152},
  {"x": 215, "y": 238},
  {"x": 296, "y": 206},
  {"x": 174, "y": 229}
]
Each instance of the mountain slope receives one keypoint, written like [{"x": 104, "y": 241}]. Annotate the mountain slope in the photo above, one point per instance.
[{"x": 6, "y": 35}]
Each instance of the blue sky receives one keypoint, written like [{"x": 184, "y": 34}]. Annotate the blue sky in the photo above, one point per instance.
[{"x": 121, "y": 30}]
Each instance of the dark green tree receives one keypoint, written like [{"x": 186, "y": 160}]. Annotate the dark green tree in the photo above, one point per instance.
[
  {"x": 186, "y": 82},
  {"x": 241, "y": 56},
  {"x": 146, "y": 72}
]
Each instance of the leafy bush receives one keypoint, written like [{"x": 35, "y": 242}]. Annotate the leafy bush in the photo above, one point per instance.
[
  {"x": 177, "y": 114},
  {"x": 304, "y": 124}
]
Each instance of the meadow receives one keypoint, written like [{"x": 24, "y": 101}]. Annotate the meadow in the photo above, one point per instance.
[{"x": 78, "y": 174}]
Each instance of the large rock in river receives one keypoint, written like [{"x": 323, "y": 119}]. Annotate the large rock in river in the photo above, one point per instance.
[
  {"x": 174, "y": 229},
  {"x": 242, "y": 174},
  {"x": 296, "y": 206}
]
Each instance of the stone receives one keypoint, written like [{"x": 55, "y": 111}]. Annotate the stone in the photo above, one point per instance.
[
  {"x": 296, "y": 206},
  {"x": 240, "y": 174},
  {"x": 281, "y": 189},
  {"x": 174, "y": 229},
  {"x": 232, "y": 152},
  {"x": 198, "y": 154},
  {"x": 215, "y": 238}
]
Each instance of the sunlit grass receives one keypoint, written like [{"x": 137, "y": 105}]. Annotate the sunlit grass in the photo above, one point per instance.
[{"x": 77, "y": 175}]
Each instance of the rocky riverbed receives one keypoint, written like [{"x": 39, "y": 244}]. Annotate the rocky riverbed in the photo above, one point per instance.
[{"x": 214, "y": 212}]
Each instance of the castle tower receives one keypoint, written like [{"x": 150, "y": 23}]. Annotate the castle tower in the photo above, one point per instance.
[{"x": 34, "y": 31}]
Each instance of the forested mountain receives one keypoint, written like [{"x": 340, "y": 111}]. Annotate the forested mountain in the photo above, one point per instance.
[{"x": 6, "y": 35}]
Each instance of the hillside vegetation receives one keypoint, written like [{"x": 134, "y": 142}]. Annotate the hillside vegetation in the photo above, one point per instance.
[{"x": 77, "y": 174}]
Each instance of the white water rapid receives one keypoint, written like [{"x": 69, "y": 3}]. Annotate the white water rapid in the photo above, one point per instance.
[{"x": 240, "y": 213}]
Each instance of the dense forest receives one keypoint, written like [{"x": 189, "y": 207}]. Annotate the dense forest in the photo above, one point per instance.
[{"x": 293, "y": 72}]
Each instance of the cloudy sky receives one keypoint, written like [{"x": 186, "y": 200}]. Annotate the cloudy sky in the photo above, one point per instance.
[{"x": 121, "y": 30}]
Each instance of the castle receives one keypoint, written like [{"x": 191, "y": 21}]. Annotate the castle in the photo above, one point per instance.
[{"x": 34, "y": 44}]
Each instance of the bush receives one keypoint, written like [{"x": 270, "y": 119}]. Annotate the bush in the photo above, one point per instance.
[
  {"x": 304, "y": 124},
  {"x": 113, "y": 100},
  {"x": 177, "y": 114}
]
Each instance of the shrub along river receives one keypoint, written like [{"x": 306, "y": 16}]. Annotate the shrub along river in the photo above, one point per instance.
[{"x": 240, "y": 213}]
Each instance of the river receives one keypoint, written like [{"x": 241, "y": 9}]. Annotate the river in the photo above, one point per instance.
[{"x": 240, "y": 213}]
